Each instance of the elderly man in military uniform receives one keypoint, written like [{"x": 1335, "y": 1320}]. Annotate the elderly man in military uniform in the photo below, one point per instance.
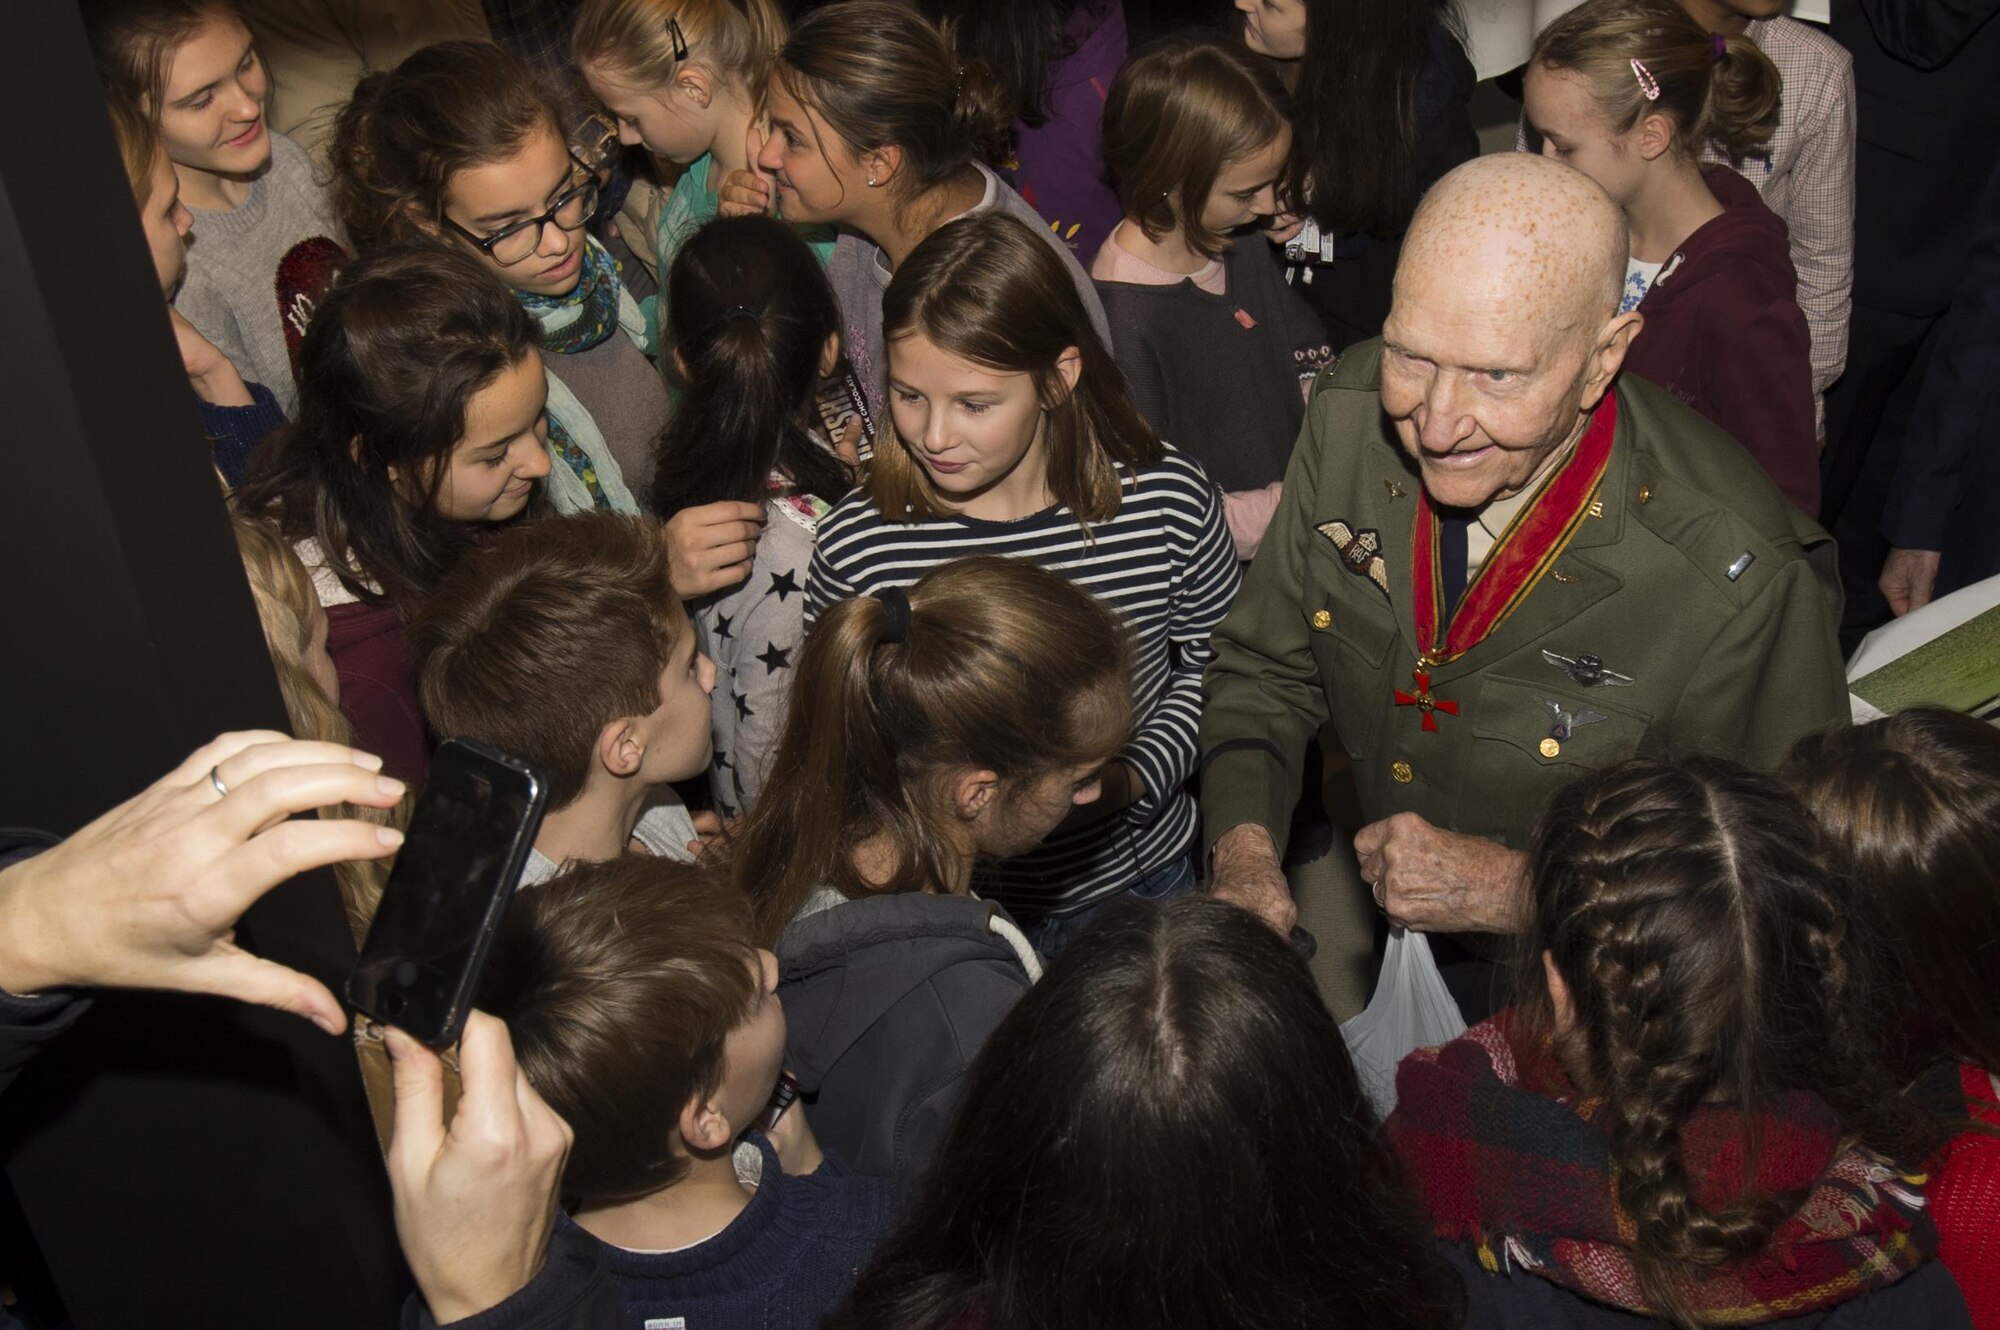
[{"x": 1499, "y": 565}]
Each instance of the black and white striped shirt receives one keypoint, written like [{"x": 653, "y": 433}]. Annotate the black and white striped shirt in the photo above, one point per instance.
[{"x": 1165, "y": 564}]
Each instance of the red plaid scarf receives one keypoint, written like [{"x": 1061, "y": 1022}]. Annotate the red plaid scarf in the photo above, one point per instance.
[{"x": 1507, "y": 1157}]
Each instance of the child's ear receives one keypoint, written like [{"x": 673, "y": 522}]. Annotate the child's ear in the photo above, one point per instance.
[
  {"x": 972, "y": 791},
  {"x": 680, "y": 363},
  {"x": 619, "y": 750},
  {"x": 1069, "y": 369},
  {"x": 1653, "y": 135},
  {"x": 703, "y": 1128},
  {"x": 423, "y": 221},
  {"x": 1559, "y": 998},
  {"x": 829, "y": 355},
  {"x": 695, "y": 84}
]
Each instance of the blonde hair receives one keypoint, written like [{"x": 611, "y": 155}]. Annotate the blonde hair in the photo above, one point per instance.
[
  {"x": 139, "y": 147},
  {"x": 1724, "y": 90},
  {"x": 737, "y": 40},
  {"x": 284, "y": 595},
  {"x": 1181, "y": 111}
]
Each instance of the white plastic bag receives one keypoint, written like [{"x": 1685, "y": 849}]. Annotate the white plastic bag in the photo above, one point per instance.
[{"x": 1411, "y": 1009}]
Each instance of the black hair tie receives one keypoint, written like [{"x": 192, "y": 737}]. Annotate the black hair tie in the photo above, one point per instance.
[
  {"x": 741, "y": 312},
  {"x": 895, "y": 614}
]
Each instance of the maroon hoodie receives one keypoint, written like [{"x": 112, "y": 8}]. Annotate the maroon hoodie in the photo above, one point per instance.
[
  {"x": 1724, "y": 334},
  {"x": 378, "y": 687}
]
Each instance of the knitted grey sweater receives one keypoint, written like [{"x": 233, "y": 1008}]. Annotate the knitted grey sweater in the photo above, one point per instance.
[{"x": 255, "y": 274}]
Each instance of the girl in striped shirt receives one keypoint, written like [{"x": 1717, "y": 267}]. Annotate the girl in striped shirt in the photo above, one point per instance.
[{"x": 1017, "y": 437}]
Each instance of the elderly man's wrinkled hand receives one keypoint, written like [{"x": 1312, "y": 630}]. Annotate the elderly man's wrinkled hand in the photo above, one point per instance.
[
  {"x": 1249, "y": 873},
  {"x": 1437, "y": 881}
]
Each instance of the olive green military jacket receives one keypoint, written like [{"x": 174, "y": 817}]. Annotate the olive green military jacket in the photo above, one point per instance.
[{"x": 1692, "y": 577}]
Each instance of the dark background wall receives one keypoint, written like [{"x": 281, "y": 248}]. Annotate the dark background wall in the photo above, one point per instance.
[{"x": 179, "y": 1161}]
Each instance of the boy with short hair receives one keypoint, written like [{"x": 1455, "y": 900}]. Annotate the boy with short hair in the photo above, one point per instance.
[
  {"x": 643, "y": 1013},
  {"x": 564, "y": 645}
]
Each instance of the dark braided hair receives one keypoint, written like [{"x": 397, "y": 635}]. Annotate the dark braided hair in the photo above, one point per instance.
[{"x": 1687, "y": 908}]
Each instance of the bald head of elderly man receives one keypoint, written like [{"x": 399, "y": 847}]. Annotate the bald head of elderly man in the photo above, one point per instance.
[
  {"x": 1499, "y": 565},
  {"x": 1505, "y": 331}
]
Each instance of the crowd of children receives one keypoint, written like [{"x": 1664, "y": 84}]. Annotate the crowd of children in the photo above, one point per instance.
[{"x": 841, "y": 537}]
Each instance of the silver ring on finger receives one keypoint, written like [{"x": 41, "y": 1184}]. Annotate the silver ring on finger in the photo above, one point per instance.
[
  {"x": 1380, "y": 903},
  {"x": 215, "y": 779}
]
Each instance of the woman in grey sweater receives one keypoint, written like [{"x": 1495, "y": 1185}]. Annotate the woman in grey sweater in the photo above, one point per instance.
[{"x": 875, "y": 127}]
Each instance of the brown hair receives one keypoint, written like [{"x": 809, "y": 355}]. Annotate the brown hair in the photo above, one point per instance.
[
  {"x": 879, "y": 76},
  {"x": 285, "y": 601},
  {"x": 990, "y": 289},
  {"x": 407, "y": 131},
  {"x": 1175, "y": 1074},
  {"x": 139, "y": 148},
  {"x": 1911, "y": 807},
  {"x": 134, "y": 42},
  {"x": 1005, "y": 666},
  {"x": 395, "y": 353},
  {"x": 538, "y": 642},
  {"x": 620, "y": 982},
  {"x": 1180, "y": 111},
  {"x": 1704, "y": 944},
  {"x": 1731, "y": 97},
  {"x": 736, "y": 40}
]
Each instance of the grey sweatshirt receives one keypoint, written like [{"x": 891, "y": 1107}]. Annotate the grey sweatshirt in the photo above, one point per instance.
[
  {"x": 860, "y": 274},
  {"x": 255, "y": 274}
]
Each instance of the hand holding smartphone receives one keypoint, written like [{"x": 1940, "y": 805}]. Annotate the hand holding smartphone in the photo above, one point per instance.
[{"x": 468, "y": 840}]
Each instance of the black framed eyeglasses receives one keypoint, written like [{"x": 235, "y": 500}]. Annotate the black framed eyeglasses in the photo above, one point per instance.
[{"x": 511, "y": 244}]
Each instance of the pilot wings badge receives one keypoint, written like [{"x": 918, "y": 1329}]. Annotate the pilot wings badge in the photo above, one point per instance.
[
  {"x": 1360, "y": 552},
  {"x": 1567, "y": 722}
]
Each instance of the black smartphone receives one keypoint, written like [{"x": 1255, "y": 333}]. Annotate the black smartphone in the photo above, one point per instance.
[{"x": 474, "y": 822}]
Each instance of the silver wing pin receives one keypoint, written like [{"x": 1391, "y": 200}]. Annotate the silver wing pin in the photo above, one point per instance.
[
  {"x": 1588, "y": 671},
  {"x": 1567, "y": 722}
]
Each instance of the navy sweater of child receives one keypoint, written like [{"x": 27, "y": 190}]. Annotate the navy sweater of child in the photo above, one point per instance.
[{"x": 785, "y": 1262}]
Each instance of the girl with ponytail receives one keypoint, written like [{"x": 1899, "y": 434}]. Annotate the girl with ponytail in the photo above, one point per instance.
[
  {"x": 1686, "y": 1119},
  {"x": 878, "y": 127},
  {"x": 752, "y": 327},
  {"x": 1629, "y": 92},
  {"x": 967, "y": 716}
]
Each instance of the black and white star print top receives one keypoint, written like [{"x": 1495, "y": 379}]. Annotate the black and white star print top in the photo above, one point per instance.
[{"x": 752, "y": 633}]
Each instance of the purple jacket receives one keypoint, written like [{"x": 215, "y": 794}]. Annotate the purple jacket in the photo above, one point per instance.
[{"x": 1059, "y": 167}]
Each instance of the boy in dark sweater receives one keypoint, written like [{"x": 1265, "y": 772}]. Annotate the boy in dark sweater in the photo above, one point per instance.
[{"x": 642, "y": 1012}]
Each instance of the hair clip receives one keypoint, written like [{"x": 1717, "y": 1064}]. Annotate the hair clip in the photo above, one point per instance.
[
  {"x": 1721, "y": 45},
  {"x": 679, "y": 39},
  {"x": 1647, "y": 83}
]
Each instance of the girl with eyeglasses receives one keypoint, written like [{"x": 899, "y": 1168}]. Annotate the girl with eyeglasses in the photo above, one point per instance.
[
  {"x": 269, "y": 236},
  {"x": 460, "y": 145}
]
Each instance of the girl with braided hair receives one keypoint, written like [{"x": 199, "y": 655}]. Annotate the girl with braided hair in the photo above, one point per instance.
[{"x": 1684, "y": 1120}]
